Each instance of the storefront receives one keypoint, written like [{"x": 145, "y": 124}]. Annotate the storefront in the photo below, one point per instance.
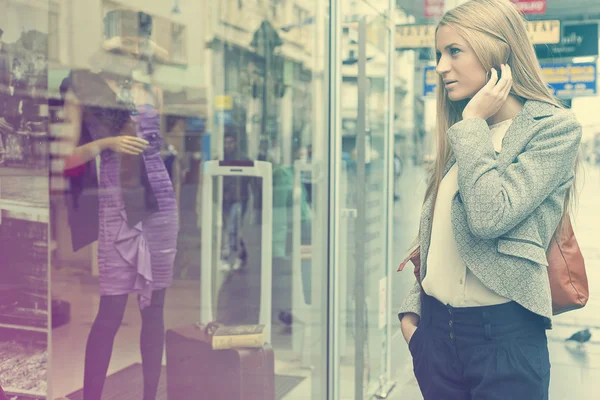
[
  {"x": 290, "y": 140},
  {"x": 301, "y": 90}
]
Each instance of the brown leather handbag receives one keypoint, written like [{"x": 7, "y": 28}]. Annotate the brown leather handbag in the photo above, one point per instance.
[{"x": 566, "y": 270}]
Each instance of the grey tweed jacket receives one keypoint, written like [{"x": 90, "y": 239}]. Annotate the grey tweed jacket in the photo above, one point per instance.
[{"x": 508, "y": 204}]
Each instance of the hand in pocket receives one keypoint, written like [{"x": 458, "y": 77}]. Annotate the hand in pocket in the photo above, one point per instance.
[{"x": 408, "y": 325}]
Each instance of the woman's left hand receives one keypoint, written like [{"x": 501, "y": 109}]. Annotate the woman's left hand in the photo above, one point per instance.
[{"x": 491, "y": 97}]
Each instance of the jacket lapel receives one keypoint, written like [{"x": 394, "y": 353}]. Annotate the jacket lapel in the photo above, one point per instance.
[
  {"x": 517, "y": 134},
  {"x": 531, "y": 112}
]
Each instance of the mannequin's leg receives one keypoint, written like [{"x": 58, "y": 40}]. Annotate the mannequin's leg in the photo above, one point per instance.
[
  {"x": 152, "y": 342},
  {"x": 100, "y": 344}
]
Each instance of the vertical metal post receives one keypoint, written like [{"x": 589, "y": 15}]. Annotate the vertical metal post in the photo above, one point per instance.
[
  {"x": 387, "y": 379},
  {"x": 389, "y": 146},
  {"x": 330, "y": 196},
  {"x": 265, "y": 99},
  {"x": 361, "y": 209}
]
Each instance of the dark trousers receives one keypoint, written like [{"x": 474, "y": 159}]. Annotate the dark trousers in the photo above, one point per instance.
[{"x": 494, "y": 353}]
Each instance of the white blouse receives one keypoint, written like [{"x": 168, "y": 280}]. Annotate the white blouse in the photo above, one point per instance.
[{"x": 447, "y": 278}]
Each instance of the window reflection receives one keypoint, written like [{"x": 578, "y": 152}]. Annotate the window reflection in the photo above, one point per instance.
[
  {"x": 24, "y": 230},
  {"x": 137, "y": 101},
  {"x": 121, "y": 200}
]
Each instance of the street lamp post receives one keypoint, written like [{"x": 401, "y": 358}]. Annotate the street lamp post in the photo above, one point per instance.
[{"x": 265, "y": 41}]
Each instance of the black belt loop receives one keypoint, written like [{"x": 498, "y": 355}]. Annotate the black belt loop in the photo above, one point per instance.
[
  {"x": 487, "y": 325},
  {"x": 488, "y": 331},
  {"x": 425, "y": 310}
]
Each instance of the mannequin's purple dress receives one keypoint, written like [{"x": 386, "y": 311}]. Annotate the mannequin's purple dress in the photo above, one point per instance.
[{"x": 137, "y": 259}]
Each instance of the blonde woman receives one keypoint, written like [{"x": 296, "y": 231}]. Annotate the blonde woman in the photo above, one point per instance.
[{"x": 476, "y": 324}]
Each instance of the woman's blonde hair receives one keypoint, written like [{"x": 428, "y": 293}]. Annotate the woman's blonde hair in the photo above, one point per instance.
[{"x": 496, "y": 31}]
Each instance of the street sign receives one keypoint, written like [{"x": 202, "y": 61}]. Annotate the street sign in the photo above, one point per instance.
[
  {"x": 195, "y": 124},
  {"x": 223, "y": 117},
  {"x": 429, "y": 80},
  {"x": 530, "y": 6},
  {"x": 576, "y": 41},
  {"x": 415, "y": 36},
  {"x": 223, "y": 103},
  {"x": 423, "y": 36},
  {"x": 547, "y": 31},
  {"x": 433, "y": 8},
  {"x": 569, "y": 80}
]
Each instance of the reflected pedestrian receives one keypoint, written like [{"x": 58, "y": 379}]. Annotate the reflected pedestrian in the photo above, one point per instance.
[{"x": 236, "y": 194}]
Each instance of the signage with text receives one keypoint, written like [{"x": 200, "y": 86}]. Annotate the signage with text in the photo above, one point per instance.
[
  {"x": 547, "y": 31},
  {"x": 423, "y": 36},
  {"x": 566, "y": 80},
  {"x": 433, "y": 8},
  {"x": 530, "y": 6},
  {"x": 195, "y": 124},
  {"x": 571, "y": 80},
  {"x": 576, "y": 41},
  {"x": 429, "y": 81},
  {"x": 223, "y": 117},
  {"x": 223, "y": 103},
  {"x": 415, "y": 36}
]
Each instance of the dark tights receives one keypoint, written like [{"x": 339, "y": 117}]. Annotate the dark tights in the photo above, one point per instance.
[{"x": 100, "y": 343}]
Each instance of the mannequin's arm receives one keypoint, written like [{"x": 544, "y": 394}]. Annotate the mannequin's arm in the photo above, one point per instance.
[
  {"x": 125, "y": 144},
  {"x": 83, "y": 154},
  {"x": 73, "y": 116}
]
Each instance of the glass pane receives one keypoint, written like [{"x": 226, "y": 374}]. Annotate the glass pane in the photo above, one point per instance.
[
  {"x": 171, "y": 90},
  {"x": 129, "y": 97},
  {"x": 363, "y": 270},
  {"x": 24, "y": 202},
  {"x": 269, "y": 98},
  {"x": 413, "y": 143}
]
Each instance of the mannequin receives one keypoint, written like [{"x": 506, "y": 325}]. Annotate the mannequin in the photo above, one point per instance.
[{"x": 133, "y": 214}]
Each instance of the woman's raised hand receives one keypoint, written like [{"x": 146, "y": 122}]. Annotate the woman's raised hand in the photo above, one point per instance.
[
  {"x": 490, "y": 97},
  {"x": 127, "y": 144}
]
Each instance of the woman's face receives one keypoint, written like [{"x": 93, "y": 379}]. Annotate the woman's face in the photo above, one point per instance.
[{"x": 458, "y": 65}]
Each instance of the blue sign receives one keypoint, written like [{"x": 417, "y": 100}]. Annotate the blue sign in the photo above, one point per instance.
[
  {"x": 195, "y": 124},
  {"x": 223, "y": 117},
  {"x": 429, "y": 81},
  {"x": 568, "y": 80},
  {"x": 206, "y": 147}
]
